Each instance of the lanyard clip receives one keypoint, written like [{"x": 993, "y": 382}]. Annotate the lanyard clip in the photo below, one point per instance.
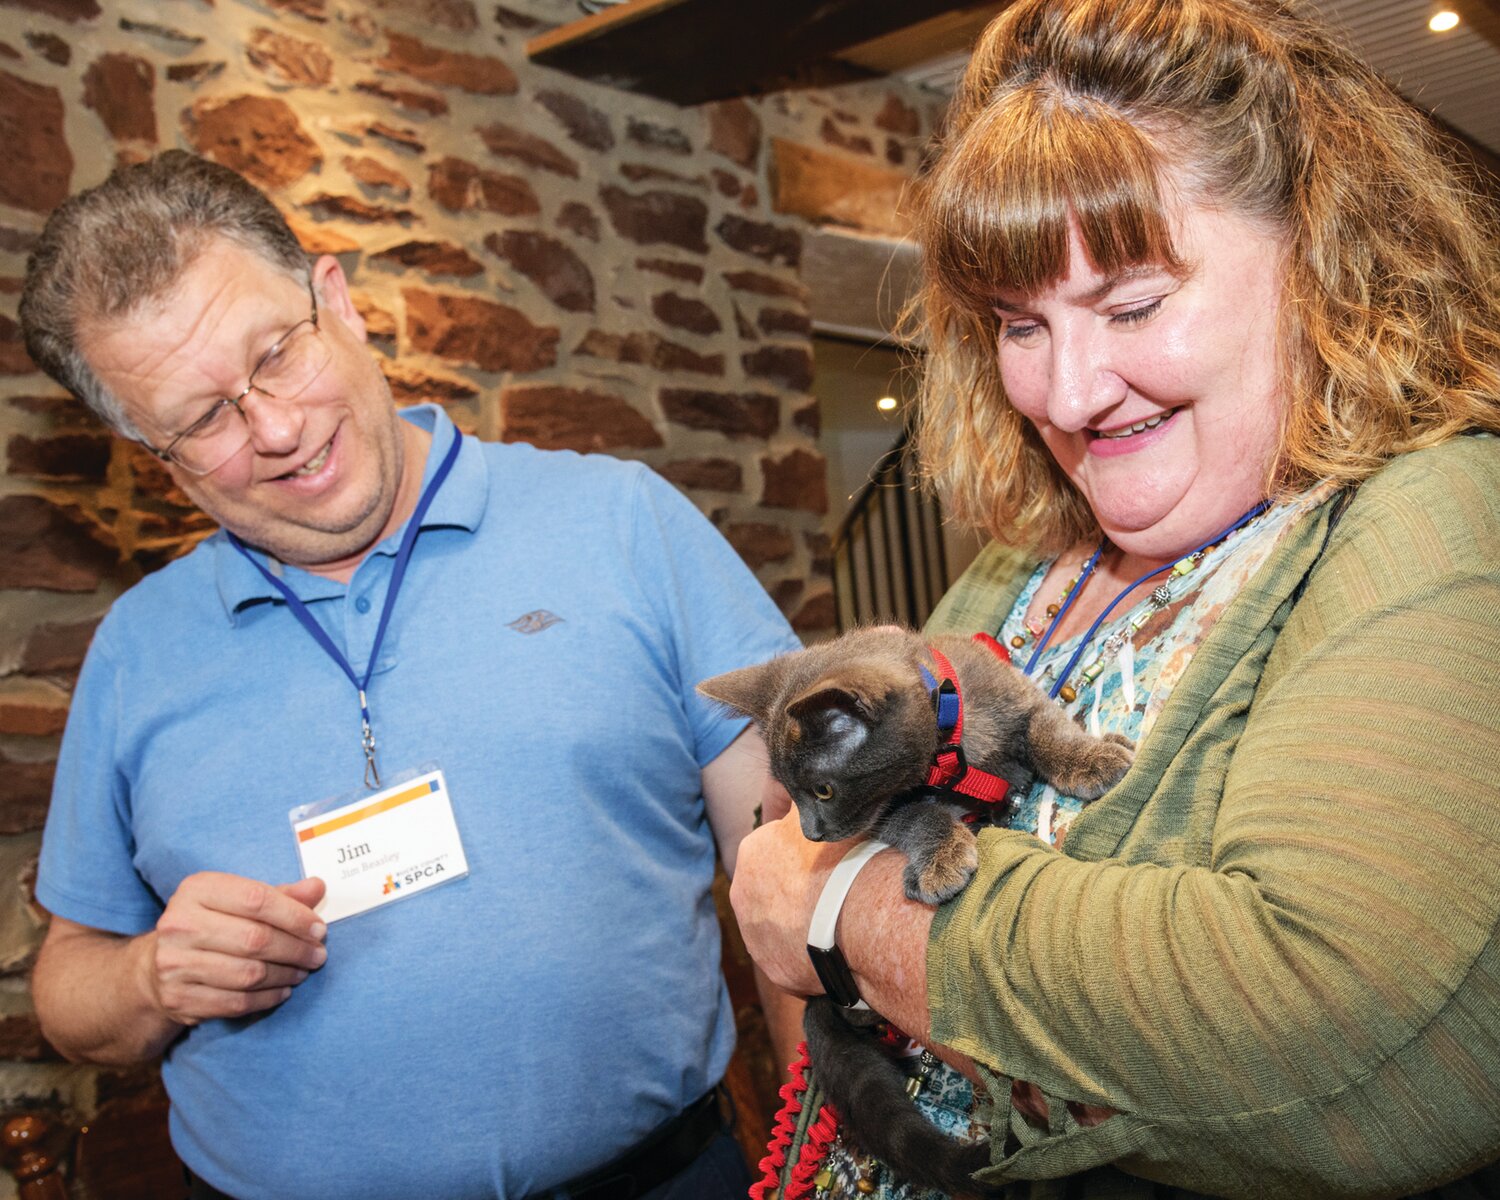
[{"x": 367, "y": 742}]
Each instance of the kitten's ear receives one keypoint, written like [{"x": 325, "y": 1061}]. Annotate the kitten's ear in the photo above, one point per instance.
[
  {"x": 826, "y": 700},
  {"x": 750, "y": 690}
]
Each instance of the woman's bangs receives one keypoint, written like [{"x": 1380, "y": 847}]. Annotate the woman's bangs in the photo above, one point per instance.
[{"x": 999, "y": 205}]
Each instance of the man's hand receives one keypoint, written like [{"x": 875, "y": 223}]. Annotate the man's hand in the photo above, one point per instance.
[{"x": 228, "y": 946}]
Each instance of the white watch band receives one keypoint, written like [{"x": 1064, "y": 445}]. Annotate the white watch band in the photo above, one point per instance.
[{"x": 825, "y": 918}]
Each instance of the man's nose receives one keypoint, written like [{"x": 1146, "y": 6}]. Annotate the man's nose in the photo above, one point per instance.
[{"x": 275, "y": 425}]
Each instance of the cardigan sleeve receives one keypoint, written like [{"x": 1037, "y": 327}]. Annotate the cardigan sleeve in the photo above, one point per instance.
[{"x": 1311, "y": 1006}]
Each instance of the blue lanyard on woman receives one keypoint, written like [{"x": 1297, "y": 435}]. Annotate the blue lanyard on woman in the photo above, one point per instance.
[
  {"x": 310, "y": 623},
  {"x": 1088, "y": 570}
]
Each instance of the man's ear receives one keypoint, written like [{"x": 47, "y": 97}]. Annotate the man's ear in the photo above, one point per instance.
[{"x": 332, "y": 288}]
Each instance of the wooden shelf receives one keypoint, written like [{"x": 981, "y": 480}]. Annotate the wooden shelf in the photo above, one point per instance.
[{"x": 693, "y": 51}]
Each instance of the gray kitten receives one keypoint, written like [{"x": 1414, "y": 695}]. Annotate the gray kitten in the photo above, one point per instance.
[{"x": 852, "y": 732}]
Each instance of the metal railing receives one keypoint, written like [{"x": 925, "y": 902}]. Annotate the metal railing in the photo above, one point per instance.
[{"x": 889, "y": 561}]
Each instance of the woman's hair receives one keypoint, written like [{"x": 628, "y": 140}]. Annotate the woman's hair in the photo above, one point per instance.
[{"x": 1109, "y": 112}]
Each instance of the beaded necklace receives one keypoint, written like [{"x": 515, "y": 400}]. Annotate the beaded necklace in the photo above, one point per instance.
[{"x": 1160, "y": 597}]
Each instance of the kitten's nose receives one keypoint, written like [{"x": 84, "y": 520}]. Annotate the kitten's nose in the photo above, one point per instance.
[{"x": 812, "y": 825}]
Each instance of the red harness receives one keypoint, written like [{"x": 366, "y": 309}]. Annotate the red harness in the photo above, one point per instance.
[{"x": 950, "y": 771}]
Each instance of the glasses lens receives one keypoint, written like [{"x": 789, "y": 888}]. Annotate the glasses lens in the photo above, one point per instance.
[
  {"x": 293, "y": 363},
  {"x": 211, "y": 445}
]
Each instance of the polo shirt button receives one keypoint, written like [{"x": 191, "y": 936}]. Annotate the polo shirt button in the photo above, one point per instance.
[{"x": 363, "y": 604}]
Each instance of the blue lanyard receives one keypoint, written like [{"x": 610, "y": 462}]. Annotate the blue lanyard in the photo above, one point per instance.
[
  {"x": 1062, "y": 678},
  {"x": 310, "y": 623}
]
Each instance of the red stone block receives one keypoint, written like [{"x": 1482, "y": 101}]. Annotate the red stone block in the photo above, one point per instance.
[
  {"x": 506, "y": 141},
  {"x": 759, "y": 543},
  {"x": 657, "y": 217},
  {"x": 57, "y": 649},
  {"x": 51, "y": 547},
  {"x": 691, "y": 272},
  {"x": 734, "y": 132},
  {"x": 494, "y": 337},
  {"x": 352, "y": 208},
  {"x": 706, "y": 474},
  {"x": 289, "y": 60},
  {"x": 817, "y": 615},
  {"x": 378, "y": 177},
  {"x": 773, "y": 243},
  {"x": 898, "y": 117},
  {"x": 796, "y": 480},
  {"x": 765, "y": 285},
  {"x": 13, "y": 357},
  {"x": 448, "y": 68},
  {"x": 584, "y": 123},
  {"x": 51, "y": 47},
  {"x": 436, "y": 258},
  {"x": 411, "y": 385},
  {"x": 67, "y": 10},
  {"x": 834, "y": 136},
  {"x": 683, "y": 312},
  {"x": 789, "y": 366},
  {"x": 650, "y": 350},
  {"x": 408, "y": 98},
  {"x": 25, "y": 792},
  {"x": 258, "y": 136},
  {"x": 39, "y": 166},
  {"x": 458, "y": 185},
  {"x": 580, "y": 219},
  {"x": 562, "y": 418},
  {"x": 735, "y": 415},
  {"x": 65, "y": 458},
  {"x": 560, "y": 274}
]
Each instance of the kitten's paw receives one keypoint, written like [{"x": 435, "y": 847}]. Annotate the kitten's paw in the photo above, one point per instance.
[
  {"x": 946, "y": 874},
  {"x": 1103, "y": 767}
]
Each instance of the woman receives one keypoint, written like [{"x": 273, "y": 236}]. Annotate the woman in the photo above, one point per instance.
[{"x": 1214, "y": 356}]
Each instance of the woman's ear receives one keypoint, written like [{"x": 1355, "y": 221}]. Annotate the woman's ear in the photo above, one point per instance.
[{"x": 332, "y": 288}]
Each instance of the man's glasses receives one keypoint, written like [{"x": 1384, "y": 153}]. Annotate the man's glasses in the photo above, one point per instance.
[{"x": 284, "y": 372}]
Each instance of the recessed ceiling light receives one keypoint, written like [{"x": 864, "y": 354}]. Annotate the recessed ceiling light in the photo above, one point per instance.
[
  {"x": 886, "y": 403},
  {"x": 1443, "y": 21}
]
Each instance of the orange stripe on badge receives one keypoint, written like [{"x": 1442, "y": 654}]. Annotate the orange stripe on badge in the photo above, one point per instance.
[{"x": 380, "y": 806}]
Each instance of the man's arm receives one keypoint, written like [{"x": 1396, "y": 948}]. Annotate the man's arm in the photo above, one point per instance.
[
  {"x": 225, "y": 947},
  {"x": 734, "y": 785}
]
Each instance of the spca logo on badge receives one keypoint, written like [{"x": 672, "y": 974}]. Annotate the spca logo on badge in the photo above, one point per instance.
[{"x": 422, "y": 873}]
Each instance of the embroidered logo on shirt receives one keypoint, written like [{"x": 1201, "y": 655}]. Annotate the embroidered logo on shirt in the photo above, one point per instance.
[{"x": 534, "y": 621}]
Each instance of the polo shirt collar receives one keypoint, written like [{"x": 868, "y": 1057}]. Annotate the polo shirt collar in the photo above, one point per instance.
[{"x": 459, "y": 505}]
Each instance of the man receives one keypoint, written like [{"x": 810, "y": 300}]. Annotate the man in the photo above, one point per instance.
[{"x": 398, "y": 847}]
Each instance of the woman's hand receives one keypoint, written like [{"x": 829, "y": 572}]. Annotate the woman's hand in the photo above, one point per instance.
[{"x": 777, "y": 882}]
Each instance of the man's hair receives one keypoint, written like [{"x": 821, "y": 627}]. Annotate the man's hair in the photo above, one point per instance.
[
  {"x": 1095, "y": 111},
  {"x": 114, "y": 247}
]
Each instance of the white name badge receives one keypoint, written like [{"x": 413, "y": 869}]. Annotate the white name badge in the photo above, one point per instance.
[{"x": 382, "y": 847}]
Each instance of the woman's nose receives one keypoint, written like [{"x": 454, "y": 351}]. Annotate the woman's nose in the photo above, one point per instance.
[{"x": 1083, "y": 380}]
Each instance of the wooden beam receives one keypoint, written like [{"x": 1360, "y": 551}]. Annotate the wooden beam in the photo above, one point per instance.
[
  {"x": 691, "y": 51},
  {"x": 937, "y": 37}
]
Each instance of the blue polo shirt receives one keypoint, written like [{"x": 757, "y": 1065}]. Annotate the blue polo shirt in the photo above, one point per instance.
[{"x": 505, "y": 1031}]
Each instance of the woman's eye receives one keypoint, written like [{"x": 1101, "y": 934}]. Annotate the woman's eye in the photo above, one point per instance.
[
  {"x": 1134, "y": 316},
  {"x": 1018, "y": 331}
]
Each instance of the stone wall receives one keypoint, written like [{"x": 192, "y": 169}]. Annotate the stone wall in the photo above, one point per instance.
[{"x": 553, "y": 261}]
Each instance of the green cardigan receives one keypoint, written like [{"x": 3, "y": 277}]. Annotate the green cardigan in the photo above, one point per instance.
[{"x": 1272, "y": 947}]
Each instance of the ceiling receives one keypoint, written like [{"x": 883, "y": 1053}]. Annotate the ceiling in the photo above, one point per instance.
[{"x": 690, "y": 51}]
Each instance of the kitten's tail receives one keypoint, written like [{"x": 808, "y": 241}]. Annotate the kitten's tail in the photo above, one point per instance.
[{"x": 869, "y": 1092}]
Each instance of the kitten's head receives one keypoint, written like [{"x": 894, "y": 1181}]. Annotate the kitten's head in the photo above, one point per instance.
[{"x": 848, "y": 725}]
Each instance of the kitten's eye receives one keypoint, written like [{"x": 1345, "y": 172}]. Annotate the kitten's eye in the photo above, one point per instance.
[{"x": 824, "y": 791}]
